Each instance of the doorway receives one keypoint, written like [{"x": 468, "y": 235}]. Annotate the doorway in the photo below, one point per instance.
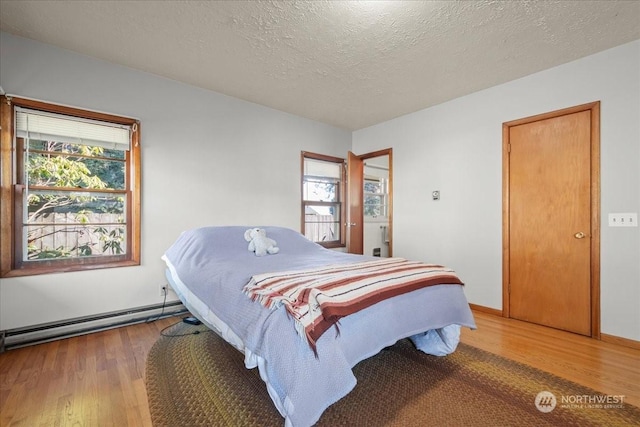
[
  {"x": 551, "y": 219},
  {"x": 376, "y": 206},
  {"x": 370, "y": 203}
]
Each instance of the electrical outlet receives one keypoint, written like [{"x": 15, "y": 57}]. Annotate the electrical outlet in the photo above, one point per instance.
[
  {"x": 623, "y": 219},
  {"x": 164, "y": 289}
]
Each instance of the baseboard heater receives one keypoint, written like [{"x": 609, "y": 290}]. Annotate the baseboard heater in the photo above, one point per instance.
[{"x": 45, "y": 332}]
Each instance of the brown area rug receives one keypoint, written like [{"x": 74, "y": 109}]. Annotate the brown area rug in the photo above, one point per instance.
[{"x": 199, "y": 380}]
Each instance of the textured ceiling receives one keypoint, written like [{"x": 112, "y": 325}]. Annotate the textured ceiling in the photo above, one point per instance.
[{"x": 350, "y": 64}]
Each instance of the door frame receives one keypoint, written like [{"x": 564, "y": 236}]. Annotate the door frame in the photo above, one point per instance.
[
  {"x": 362, "y": 158},
  {"x": 355, "y": 204},
  {"x": 594, "y": 108}
]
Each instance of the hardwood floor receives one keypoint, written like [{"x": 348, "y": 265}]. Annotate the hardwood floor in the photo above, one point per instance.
[
  {"x": 98, "y": 379},
  {"x": 606, "y": 367},
  {"x": 90, "y": 380}
]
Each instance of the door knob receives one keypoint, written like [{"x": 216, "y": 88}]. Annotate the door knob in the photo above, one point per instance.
[
  {"x": 579, "y": 235},
  {"x": 351, "y": 224}
]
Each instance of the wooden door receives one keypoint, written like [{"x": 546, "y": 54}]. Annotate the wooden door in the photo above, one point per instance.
[
  {"x": 355, "y": 196},
  {"x": 550, "y": 223}
]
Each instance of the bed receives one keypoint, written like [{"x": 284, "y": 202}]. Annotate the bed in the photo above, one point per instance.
[{"x": 209, "y": 268}]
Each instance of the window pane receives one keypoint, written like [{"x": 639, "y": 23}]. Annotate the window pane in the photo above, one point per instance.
[
  {"x": 76, "y": 207},
  {"x": 46, "y": 242},
  {"x": 62, "y": 170},
  {"x": 74, "y": 224},
  {"x": 322, "y": 223},
  {"x": 64, "y": 147},
  {"x": 320, "y": 190},
  {"x": 374, "y": 205},
  {"x": 372, "y": 187}
]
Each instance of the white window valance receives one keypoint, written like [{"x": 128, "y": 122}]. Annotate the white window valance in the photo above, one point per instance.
[
  {"x": 322, "y": 168},
  {"x": 34, "y": 124}
]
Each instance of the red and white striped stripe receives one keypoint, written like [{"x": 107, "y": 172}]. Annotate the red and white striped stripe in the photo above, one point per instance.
[{"x": 317, "y": 298}]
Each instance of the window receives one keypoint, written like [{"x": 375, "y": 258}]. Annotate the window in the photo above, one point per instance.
[
  {"x": 323, "y": 217},
  {"x": 376, "y": 197},
  {"x": 70, "y": 189}
]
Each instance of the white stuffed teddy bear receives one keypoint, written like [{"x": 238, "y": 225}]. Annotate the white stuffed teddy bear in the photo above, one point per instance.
[{"x": 259, "y": 242}]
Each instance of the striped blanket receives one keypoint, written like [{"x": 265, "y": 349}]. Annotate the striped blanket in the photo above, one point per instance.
[{"x": 317, "y": 298}]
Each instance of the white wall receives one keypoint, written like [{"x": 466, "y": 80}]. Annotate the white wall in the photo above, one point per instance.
[
  {"x": 207, "y": 159},
  {"x": 456, "y": 148},
  {"x": 211, "y": 159}
]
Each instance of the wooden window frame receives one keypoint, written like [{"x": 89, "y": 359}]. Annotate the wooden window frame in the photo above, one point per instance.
[
  {"x": 341, "y": 197},
  {"x": 11, "y": 263}
]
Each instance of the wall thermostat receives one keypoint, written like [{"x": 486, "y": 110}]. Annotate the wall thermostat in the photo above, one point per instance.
[{"x": 435, "y": 195}]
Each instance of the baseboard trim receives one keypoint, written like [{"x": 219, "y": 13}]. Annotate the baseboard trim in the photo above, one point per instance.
[
  {"x": 45, "y": 332},
  {"x": 612, "y": 339},
  {"x": 626, "y": 342},
  {"x": 484, "y": 309}
]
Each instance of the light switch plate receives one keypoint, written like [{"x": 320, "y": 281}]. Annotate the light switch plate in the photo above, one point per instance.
[{"x": 623, "y": 219}]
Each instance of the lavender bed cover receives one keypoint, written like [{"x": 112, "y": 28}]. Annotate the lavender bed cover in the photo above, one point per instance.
[{"x": 212, "y": 264}]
